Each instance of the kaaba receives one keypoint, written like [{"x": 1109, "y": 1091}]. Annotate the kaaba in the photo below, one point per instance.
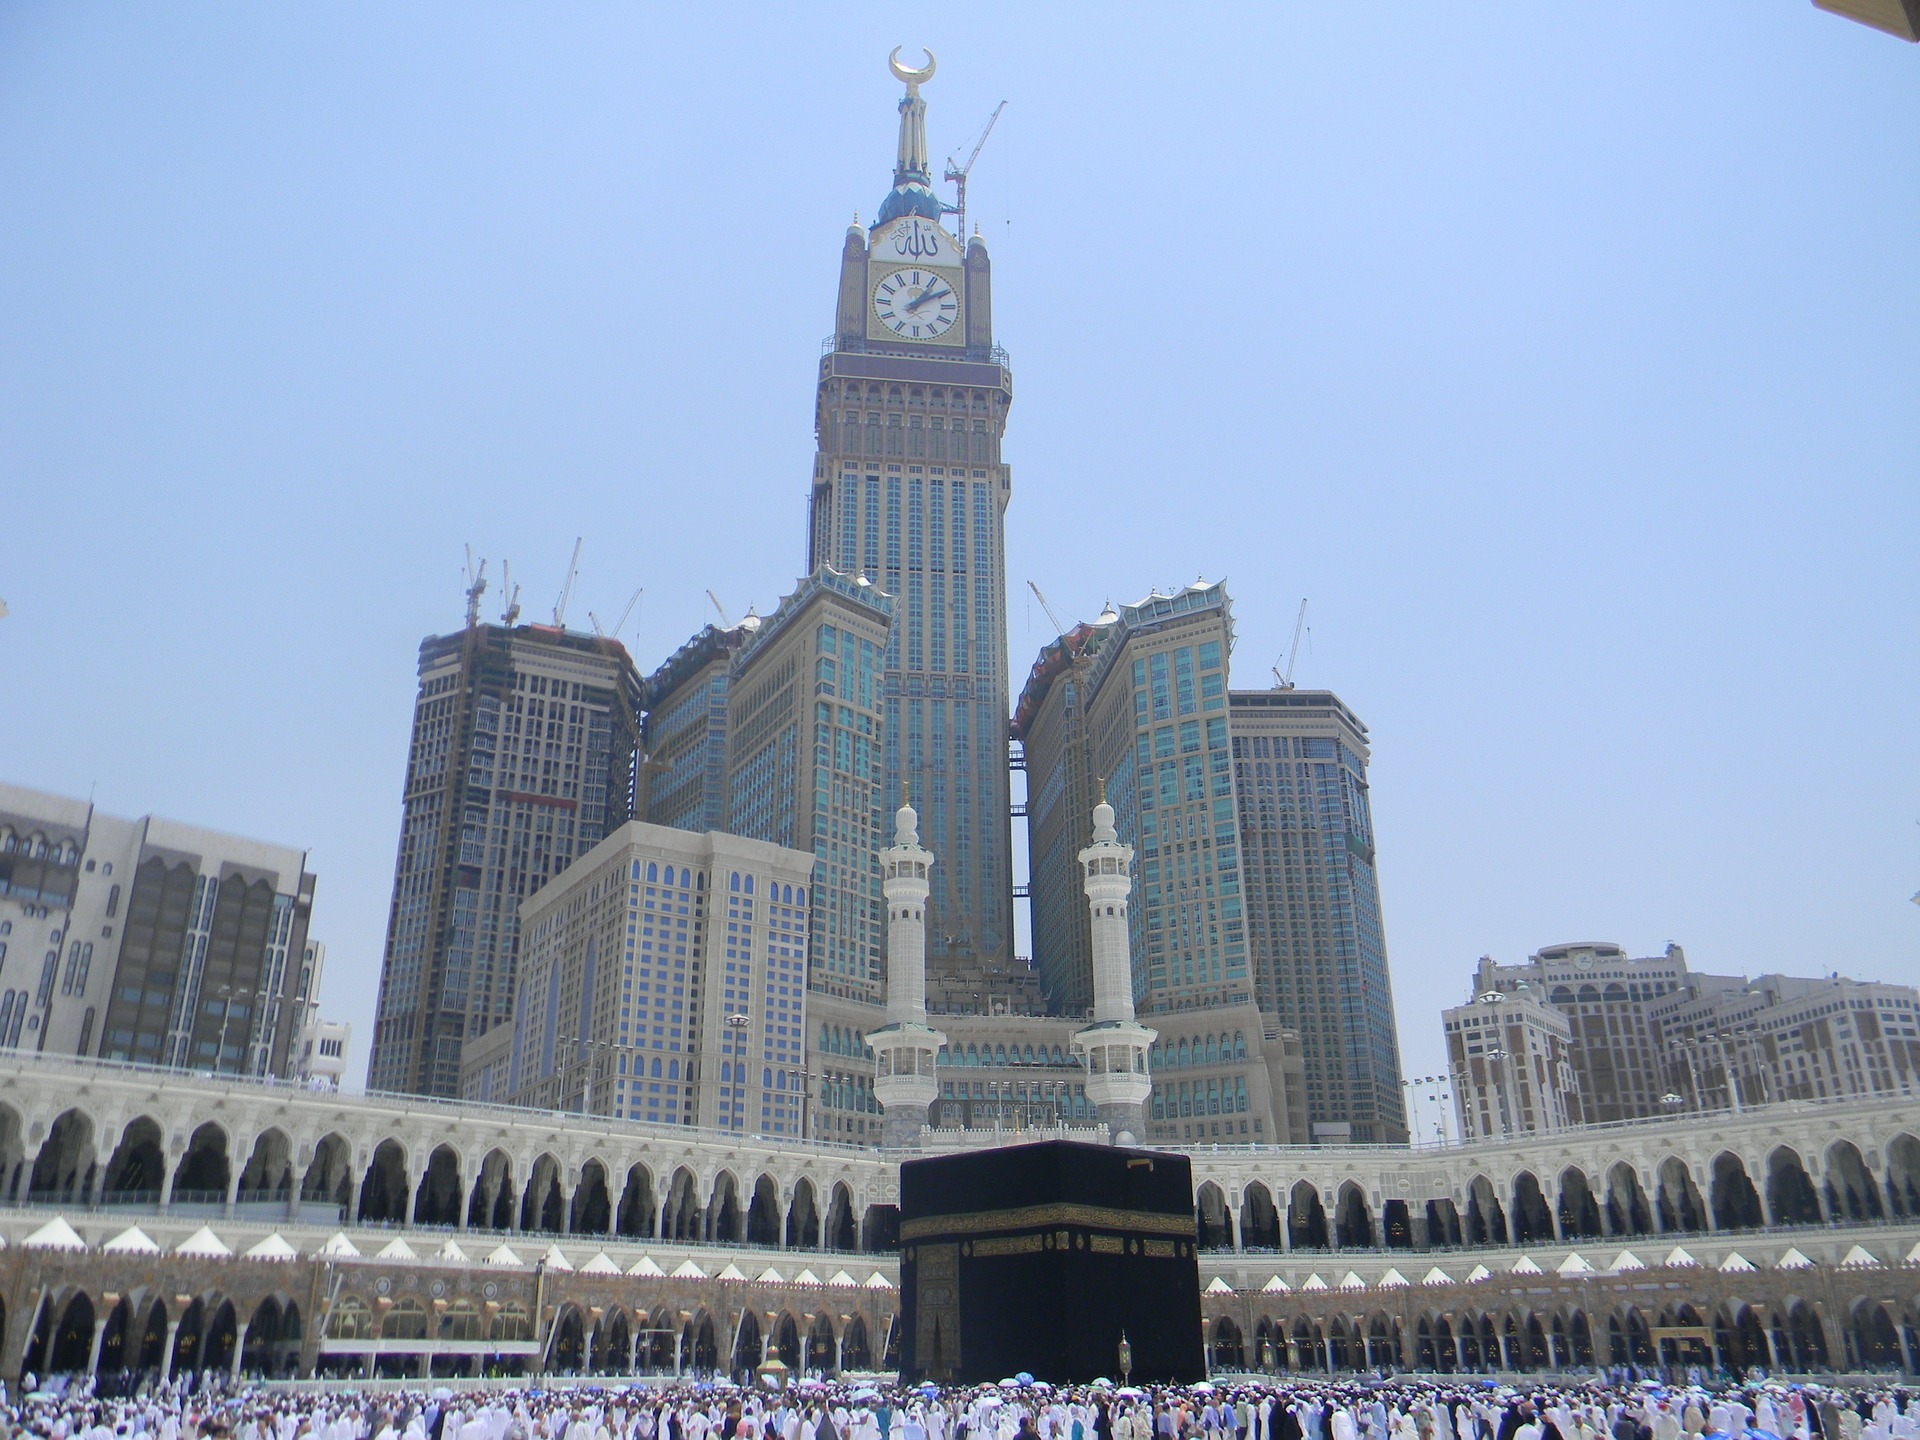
[{"x": 1040, "y": 1257}]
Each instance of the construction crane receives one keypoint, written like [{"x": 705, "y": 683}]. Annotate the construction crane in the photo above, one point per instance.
[
  {"x": 958, "y": 174},
  {"x": 476, "y": 587},
  {"x": 1285, "y": 682},
  {"x": 566, "y": 592},
  {"x": 720, "y": 610},
  {"x": 614, "y": 634},
  {"x": 510, "y": 616},
  {"x": 1058, "y": 628}
]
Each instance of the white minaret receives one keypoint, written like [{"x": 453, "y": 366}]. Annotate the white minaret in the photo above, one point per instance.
[
  {"x": 1114, "y": 1046},
  {"x": 905, "y": 1048}
]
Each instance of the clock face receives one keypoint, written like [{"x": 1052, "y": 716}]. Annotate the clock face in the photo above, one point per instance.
[{"x": 916, "y": 304}]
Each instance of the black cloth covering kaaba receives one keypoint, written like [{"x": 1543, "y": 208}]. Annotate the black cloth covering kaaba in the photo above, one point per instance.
[{"x": 1039, "y": 1257}]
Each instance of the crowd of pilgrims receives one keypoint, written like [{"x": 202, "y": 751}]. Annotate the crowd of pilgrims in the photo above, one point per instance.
[{"x": 1390, "y": 1409}]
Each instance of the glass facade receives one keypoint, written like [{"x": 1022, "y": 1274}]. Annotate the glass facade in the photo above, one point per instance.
[
  {"x": 1313, "y": 899},
  {"x": 804, "y": 763}
]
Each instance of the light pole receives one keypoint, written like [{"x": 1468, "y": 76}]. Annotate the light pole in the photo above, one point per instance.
[
  {"x": 227, "y": 996},
  {"x": 583, "y": 1052},
  {"x": 735, "y": 1049},
  {"x": 1442, "y": 1097},
  {"x": 1499, "y": 1076},
  {"x": 1693, "y": 1074},
  {"x": 1722, "y": 1046}
]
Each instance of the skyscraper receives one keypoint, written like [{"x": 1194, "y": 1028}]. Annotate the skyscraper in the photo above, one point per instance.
[
  {"x": 910, "y": 492},
  {"x": 1050, "y": 722},
  {"x": 686, "y": 731},
  {"x": 803, "y": 762},
  {"x": 1137, "y": 703},
  {"x": 1313, "y": 904},
  {"x": 523, "y": 758}
]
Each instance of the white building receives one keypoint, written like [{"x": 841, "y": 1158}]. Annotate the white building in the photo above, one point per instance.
[
  {"x": 322, "y": 1060},
  {"x": 147, "y": 940},
  {"x": 1782, "y": 1037},
  {"x": 1508, "y": 1058},
  {"x": 663, "y": 977}
]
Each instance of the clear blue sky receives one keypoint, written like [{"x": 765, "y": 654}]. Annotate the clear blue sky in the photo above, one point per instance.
[{"x": 1568, "y": 357}]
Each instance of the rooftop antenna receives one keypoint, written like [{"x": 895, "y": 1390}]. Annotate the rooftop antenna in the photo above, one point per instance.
[
  {"x": 958, "y": 173},
  {"x": 511, "y": 615},
  {"x": 476, "y": 587},
  {"x": 1285, "y": 682},
  {"x": 566, "y": 592}
]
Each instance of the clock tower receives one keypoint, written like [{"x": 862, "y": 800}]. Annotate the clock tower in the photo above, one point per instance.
[{"x": 909, "y": 491}]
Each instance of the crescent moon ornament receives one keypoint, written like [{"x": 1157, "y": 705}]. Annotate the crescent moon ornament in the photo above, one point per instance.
[{"x": 912, "y": 79}]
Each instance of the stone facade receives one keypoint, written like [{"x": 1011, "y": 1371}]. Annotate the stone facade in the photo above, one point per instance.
[{"x": 1787, "y": 1235}]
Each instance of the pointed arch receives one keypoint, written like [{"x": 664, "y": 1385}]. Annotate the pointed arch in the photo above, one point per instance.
[
  {"x": 841, "y": 1232},
  {"x": 803, "y": 1217},
  {"x": 267, "y": 1177},
  {"x": 637, "y": 1204},
  {"x": 329, "y": 1175},
  {"x": 63, "y": 1169},
  {"x": 763, "y": 1225},
  {"x": 385, "y": 1191},
  {"x": 541, "y": 1207},
  {"x": 137, "y": 1170},
  {"x": 1736, "y": 1205},
  {"x": 437, "y": 1201},
  {"x": 591, "y": 1212},
  {"x": 1353, "y": 1222},
  {"x": 1306, "y": 1218},
  {"x": 490, "y": 1204}
]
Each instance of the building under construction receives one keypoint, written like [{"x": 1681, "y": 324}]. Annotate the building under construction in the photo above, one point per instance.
[{"x": 524, "y": 756}]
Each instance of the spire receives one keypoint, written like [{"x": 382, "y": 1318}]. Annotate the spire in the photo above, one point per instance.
[
  {"x": 911, "y": 163},
  {"x": 912, "y": 192}
]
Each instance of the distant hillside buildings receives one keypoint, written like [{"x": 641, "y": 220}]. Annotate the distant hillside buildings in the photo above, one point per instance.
[{"x": 1585, "y": 1034}]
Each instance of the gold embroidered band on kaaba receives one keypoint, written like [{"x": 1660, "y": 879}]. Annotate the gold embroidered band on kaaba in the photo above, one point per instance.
[{"x": 1026, "y": 1217}]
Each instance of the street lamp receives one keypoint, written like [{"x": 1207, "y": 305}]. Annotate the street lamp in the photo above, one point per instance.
[
  {"x": 1126, "y": 1358},
  {"x": 584, "y": 1050},
  {"x": 227, "y": 996},
  {"x": 1693, "y": 1072},
  {"x": 1498, "y": 1072}
]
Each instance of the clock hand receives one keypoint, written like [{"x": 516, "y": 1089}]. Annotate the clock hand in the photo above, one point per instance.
[{"x": 926, "y": 295}]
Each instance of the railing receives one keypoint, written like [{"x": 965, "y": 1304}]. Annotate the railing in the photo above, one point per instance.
[
  {"x": 1643, "y": 1125},
  {"x": 476, "y": 1239},
  {"x": 1574, "y": 1242},
  {"x": 295, "y": 1089},
  {"x": 857, "y": 345}
]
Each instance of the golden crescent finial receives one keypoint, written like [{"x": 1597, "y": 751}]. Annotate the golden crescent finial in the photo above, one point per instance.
[{"x": 912, "y": 79}]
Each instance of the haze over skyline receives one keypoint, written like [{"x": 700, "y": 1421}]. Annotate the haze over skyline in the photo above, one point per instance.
[{"x": 1565, "y": 360}]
